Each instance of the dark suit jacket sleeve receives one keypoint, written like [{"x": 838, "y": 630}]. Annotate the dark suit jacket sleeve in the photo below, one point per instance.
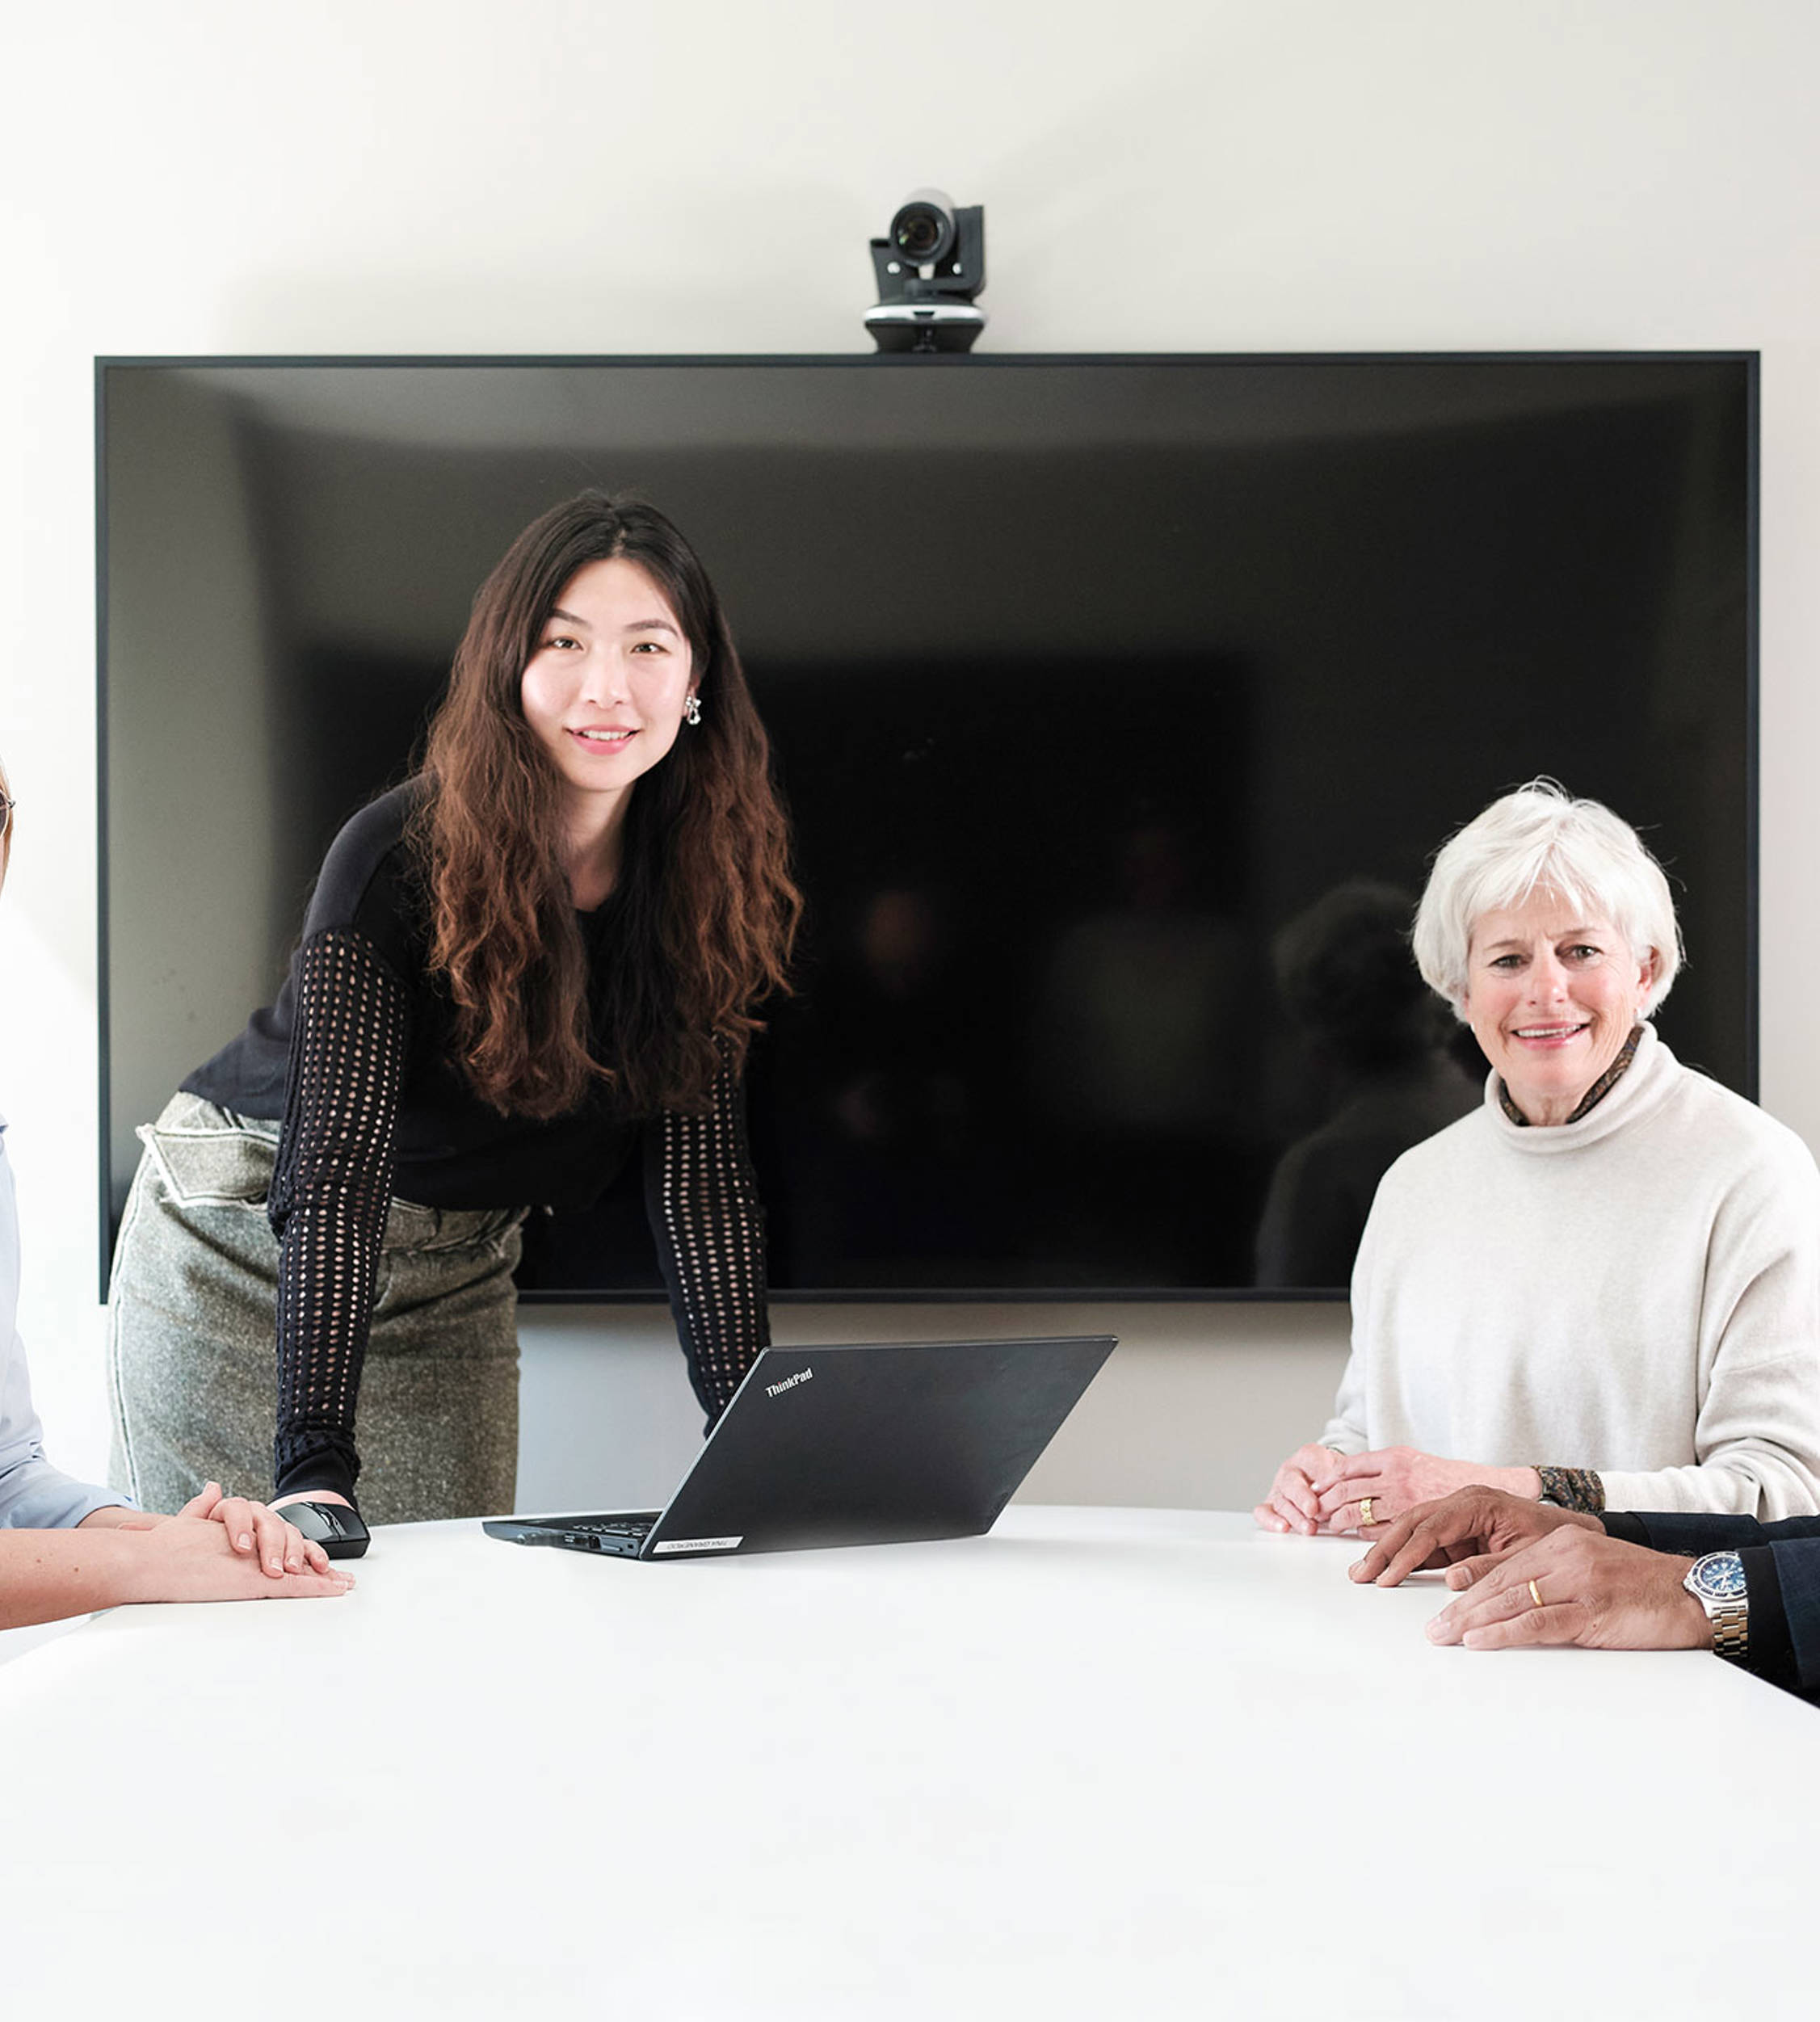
[{"x": 1781, "y": 1570}]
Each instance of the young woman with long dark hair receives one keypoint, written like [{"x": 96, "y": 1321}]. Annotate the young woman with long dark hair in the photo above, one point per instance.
[{"x": 545, "y": 947}]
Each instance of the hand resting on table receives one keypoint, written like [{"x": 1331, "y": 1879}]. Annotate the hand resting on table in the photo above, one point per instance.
[
  {"x": 1319, "y": 1491},
  {"x": 1530, "y": 1574}
]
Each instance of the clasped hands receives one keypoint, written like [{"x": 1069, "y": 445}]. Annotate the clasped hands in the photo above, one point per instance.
[
  {"x": 226, "y": 1547},
  {"x": 1318, "y": 1489},
  {"x": 1528, "y": 1572}
]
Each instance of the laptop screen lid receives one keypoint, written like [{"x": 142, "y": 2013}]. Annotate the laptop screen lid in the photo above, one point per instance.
[{"x": 877, "y": 1443}]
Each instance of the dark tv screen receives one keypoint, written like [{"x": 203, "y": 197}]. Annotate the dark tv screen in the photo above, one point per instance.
[{"x": 1120, "y": 703}]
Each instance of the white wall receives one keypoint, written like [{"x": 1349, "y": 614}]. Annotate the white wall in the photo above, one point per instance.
[{"x": 555, "y": 175}]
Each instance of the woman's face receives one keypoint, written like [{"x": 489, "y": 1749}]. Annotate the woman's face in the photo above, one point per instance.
[
  {"x": 605, "y": 685},
  {"x": 1552, "y": 996}
]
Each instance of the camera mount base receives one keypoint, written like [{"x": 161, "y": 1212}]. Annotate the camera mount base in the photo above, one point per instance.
[{"x": 924, "y": 326}]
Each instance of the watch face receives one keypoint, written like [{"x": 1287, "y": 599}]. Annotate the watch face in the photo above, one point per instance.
[{"x": 1718, "y": 1577}]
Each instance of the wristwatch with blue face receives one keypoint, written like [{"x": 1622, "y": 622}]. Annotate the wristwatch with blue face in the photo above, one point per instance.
[{"x": 1716, "y": 1581}]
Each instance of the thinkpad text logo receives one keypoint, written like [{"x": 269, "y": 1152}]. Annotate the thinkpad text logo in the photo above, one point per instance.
[{"x": 789, "y": 1383}]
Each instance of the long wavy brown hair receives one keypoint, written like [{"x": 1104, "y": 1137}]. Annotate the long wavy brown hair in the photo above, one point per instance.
[{"x": 706, "y": 912}]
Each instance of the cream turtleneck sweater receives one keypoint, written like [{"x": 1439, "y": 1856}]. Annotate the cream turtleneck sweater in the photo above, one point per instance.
[{"x": 1637, "y": 1292}]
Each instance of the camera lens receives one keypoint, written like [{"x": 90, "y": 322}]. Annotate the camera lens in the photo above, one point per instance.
[
  {"x": 919, "y": 233},
  {"x": 923, "y": 230}
]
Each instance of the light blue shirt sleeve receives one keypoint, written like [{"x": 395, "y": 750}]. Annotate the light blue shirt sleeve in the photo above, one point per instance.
[{"x": 34, "y": 1495}]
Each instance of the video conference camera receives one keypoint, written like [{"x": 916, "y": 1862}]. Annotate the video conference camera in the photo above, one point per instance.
[{"x": 930, "y": 265}]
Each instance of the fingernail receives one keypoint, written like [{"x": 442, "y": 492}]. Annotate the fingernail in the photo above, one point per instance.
[{"x": 246, "y": 1540}]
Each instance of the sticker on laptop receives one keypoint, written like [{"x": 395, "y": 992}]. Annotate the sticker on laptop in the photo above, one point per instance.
[{"x": 699, "y": 1544}]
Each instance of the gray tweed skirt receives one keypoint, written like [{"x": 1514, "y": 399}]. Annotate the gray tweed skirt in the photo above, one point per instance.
[{"x": 192, "y": 1355}]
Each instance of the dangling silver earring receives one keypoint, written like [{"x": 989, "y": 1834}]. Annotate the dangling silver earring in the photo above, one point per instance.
[{"x": 692, "y": 710}]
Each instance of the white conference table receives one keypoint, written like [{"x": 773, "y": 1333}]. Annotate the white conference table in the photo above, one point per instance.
[{"x": 1105, "y": 1763}]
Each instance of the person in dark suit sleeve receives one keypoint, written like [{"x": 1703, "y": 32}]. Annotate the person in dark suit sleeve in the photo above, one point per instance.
[{"x": 1528, "y": 1572}]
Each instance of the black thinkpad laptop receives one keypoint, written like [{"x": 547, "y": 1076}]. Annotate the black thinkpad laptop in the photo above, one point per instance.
[{"x": 883, "y": 1444}]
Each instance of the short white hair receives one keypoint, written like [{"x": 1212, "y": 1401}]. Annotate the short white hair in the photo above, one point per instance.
[{"x": 1540, "y": 838}]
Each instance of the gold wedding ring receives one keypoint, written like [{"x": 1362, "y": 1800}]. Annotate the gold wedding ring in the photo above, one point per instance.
[
  {"x": 1535, "y": 1594},
  {"x": 1365, "y": 1516}
]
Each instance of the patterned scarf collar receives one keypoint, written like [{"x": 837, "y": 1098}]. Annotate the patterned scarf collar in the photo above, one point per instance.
[{"x": 1593, "y": 1096}]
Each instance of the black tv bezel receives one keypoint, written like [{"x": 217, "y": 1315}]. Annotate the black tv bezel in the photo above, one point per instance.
[{"x": 1751, "y": 359}]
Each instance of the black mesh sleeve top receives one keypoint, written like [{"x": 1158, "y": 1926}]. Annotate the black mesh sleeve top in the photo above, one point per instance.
[{"x": 357, "y": 1059}]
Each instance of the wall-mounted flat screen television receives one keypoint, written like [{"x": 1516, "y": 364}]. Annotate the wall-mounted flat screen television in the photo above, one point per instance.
[{"x": 1120, "y": 702}]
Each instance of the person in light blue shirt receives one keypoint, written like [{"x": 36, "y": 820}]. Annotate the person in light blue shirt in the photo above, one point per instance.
[
  {"x": 34, "y": 1495},
  {"x": 216, "y": 1548}
]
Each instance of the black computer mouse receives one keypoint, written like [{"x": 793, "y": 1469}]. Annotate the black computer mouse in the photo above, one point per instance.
[{"x": 336, "y": 1529}]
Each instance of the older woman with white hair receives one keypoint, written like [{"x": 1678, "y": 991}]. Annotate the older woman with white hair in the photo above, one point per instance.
[{"x": 1601, "y": 1287}]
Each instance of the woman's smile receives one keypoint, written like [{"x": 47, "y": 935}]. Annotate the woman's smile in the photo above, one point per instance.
[{"x": 1549, "y": 1034}]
